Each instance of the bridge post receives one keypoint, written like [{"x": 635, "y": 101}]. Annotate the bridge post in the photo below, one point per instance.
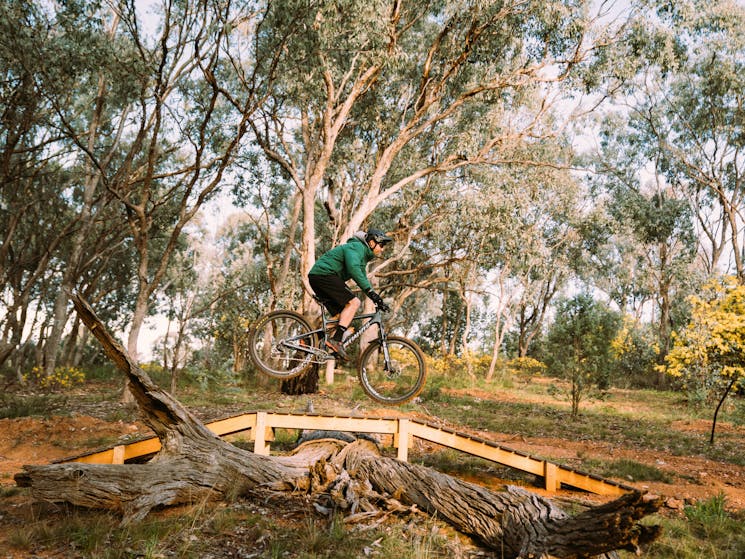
[
  {"x": 117, "y": 456},
  {"x": 330, "y": 366},
  {"x": 260, "y": 444},
  {"x": 401, "y": 439},
  {"x": 551, "y": 476}
]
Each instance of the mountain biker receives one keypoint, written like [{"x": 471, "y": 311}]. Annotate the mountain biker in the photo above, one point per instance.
[{"x": 329, "y": 275}]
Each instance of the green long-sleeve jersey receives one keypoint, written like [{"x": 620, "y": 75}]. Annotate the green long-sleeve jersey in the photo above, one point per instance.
[{"x": 346, "y": 261}]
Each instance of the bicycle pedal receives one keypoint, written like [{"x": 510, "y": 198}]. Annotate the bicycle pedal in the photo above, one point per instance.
[{"x": 338, "y": 350}]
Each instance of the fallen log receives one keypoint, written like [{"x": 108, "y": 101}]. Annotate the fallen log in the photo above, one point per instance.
[
  {"x": 519, "y": 522},
  {"x": 194, "y": 464}
]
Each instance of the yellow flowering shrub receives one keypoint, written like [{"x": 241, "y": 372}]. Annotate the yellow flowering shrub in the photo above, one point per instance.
[
  {"x": 63, "y": 377},
  {"x": 623, "y": 342},
  {"x": 152, "y": 368},
  {"x": 453, "y": 365},
  {"x": 525, "y": 367},
  {"x": 711, "y": 349}
]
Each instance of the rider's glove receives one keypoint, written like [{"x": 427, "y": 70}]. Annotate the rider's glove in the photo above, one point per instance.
[{"x": 377, "y": 300}]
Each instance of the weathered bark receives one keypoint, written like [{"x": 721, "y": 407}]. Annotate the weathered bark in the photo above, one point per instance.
[
  {"x": 194, "y": 464},
  {"x": 519, "y": 522}
]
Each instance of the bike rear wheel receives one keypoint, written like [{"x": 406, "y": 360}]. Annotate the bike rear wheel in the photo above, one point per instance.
[
  {"x": 276, "y": 344},
  {"x": 399, "y": 380}
]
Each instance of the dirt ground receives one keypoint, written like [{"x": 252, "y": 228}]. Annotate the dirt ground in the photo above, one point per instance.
[{"x": 40, "y": 441}]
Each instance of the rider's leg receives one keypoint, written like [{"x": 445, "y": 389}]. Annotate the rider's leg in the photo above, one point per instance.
[
  {"x": 340, "y": 300},
  {"x": 345, "y": 318}
]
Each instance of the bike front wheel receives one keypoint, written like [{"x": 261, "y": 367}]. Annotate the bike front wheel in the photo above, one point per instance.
[
  {"x": 396, "y": 379},
  {"x": 280, "y": 344}
]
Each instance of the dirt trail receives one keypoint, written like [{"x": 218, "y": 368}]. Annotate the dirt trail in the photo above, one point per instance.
[{"x": 30, "y": 440}]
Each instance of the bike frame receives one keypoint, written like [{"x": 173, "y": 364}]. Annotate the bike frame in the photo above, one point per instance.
[{"x": 374, "y": 318}]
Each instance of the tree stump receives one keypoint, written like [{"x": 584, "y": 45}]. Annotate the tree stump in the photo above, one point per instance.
[{"x": 194, "y": 464}]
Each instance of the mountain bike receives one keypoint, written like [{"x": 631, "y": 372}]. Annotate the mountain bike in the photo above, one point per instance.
[{"x": 391, "y": 369}]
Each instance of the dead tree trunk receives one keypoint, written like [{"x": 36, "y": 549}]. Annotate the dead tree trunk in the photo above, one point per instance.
[{"x": 194, "y": 464}]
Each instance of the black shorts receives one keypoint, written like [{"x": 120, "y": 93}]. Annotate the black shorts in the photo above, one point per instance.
[{"x": 332, "y": 291}]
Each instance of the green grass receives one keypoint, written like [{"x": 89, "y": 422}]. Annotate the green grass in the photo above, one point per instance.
[
  {"x": 626, "y": 469},
  {"x": 244, "y": 530},
  {"x": 705, "y": 530},
  {"x": 17, "y": 405},
  {"x": 648, "y": 431}
]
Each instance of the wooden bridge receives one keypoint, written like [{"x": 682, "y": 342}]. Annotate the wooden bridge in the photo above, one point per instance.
[{"x": 260, "y": 425}]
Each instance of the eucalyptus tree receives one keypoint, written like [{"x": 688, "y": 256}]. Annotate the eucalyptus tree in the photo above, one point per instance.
[
  {"x": 267, "y": 231},
  {"x": 442, "y": 257},
  {"x": 668, "y": 173},
  {"x": 531, "y": 218},
  {"x": 166, "y": 134},
  {"x": 171, "y": 141},
  {"x": 671, "y": 160},
  {"x": 488, "y": 237},
  {"x": 373, "y": 97},
  {"x": 643, "y": 246},
  {"x": 52, "y": 58},
  {"x": 235, "y": 291},
  {"x": 665, "y": 247},
  {"x": 70, "y": 112},
  {"x": 24, "y": 182},
  {"x": 136, "y": 108},
  {"x": 106, "y": 283},
  {"x": 543, "y": 265},
  {"x": 686, "y": 118}
]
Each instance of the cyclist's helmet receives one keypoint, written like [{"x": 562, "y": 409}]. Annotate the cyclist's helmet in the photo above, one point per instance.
[{"x": 378, "y": 236}]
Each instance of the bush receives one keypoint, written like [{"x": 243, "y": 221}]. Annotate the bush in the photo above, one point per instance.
[
  {"x": 62, "y": 378},
  {"x": 456, "y": 367},
  {"x": 635, "y": 354},
  {"x": 525, "y": 368},
  {"x": 579, "y": 346},
  {"x": 14, "y": 405},
  {"x": 709, "y": 513}
]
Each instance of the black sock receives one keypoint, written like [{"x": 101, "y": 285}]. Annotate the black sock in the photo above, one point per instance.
[{"x": 339, "y": 333}]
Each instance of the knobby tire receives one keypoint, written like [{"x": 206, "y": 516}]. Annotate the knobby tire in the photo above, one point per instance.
[
  {"x": 269, "y": 355},
  {"x": 396, "y": 386}
]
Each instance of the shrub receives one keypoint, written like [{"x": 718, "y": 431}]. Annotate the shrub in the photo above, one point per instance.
[
  {"x": 62, "y": 378},
  {"x": 708, "y": 513},
  {"x": 456, "y": 367},
  {"x": 14, "y": 405},
  {"x": 525, "y": 368},
  {"x": 579, "y": 346},
  {"x": 635, "y": 351}
]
